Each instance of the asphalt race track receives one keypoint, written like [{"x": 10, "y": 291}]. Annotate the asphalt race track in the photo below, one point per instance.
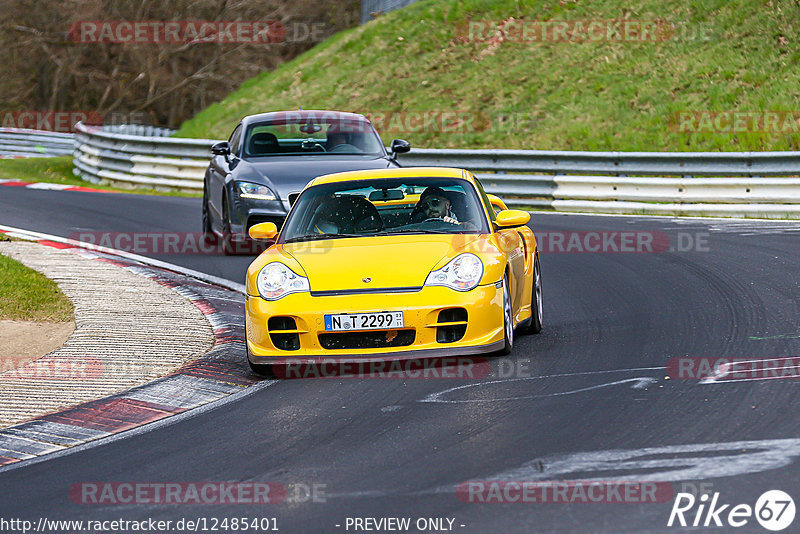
[{"x": 587, "y": 398}]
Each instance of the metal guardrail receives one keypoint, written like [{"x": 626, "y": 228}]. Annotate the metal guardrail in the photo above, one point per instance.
[
  {"x": 138, "y": 129},
  {"x": 15, "y": 142},
  {"x": 725, "y": 184},
  {"x": 614, "y": 163},
  {"x": 740, "y": 184},
  {"x": 150, "y": 161}
]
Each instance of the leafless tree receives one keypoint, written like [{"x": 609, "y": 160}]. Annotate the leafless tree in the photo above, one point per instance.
[{"x": 44, "y": 67}]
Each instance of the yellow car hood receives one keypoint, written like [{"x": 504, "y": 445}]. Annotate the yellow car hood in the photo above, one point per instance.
[{"x": 387, "y": 261}]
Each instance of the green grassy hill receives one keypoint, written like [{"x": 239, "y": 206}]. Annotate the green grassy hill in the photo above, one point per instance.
[{"x": 623, "y": 93}]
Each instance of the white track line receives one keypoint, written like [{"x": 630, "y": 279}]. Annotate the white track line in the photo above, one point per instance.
[
  {"x": 640, "y": 382},
  {"x": 28, "y": 234}
]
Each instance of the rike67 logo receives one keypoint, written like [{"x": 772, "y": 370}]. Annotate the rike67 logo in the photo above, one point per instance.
[{"x": 774, "y": 510}]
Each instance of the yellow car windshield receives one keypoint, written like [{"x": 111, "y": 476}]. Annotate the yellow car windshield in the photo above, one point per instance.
[{"x": 386, "y": 206}]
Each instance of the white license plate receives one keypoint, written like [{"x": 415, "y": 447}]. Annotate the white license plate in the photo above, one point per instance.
[{"x": 363, "y": 321}]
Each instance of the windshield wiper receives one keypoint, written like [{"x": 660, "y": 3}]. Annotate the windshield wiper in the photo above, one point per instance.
[{"x": 314, "y": 237}]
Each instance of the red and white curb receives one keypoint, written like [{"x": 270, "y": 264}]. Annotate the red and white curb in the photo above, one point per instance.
[
  {"x": 216, "y": 375},
  {"x": 50, "y": 187}
]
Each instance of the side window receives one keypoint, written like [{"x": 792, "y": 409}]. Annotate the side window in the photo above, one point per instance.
[
  {"x": 234, "y": 141},
  {"x": 486, "y": 202}
]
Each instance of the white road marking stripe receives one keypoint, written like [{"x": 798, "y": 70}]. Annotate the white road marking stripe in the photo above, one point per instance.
[
  {"x": 47, "y": 186},
  {"x": 638, "y": 383},
  {"x": 27, "y": 234}
]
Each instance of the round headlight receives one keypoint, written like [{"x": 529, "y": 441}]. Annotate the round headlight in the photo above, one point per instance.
[
  {"x": 273, "y": 277},
  {"x": 462, "y": 273},
  {"x": 467, "y": 268},
  {"x": 276, "y": 280}
]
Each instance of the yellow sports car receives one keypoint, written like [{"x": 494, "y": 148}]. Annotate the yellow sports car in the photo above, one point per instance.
[{"x": 404, "y": 263}]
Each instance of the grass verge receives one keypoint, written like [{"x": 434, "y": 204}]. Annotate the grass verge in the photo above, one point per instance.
[
  {"x": 715, "y": 56},
  {"x": 27, "y": 295}
]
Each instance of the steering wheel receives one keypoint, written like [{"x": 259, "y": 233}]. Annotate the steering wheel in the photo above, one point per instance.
[
  {"x": 310, "y": 144},
  {"x": 345, "y": 147},
  {"x": 438, "y": 219}
]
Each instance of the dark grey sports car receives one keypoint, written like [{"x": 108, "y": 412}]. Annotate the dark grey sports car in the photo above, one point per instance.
[{"x": 271, "y": 155}]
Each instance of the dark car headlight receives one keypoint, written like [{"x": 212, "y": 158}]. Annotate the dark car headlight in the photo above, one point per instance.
[{"x": 255, "y": 191}]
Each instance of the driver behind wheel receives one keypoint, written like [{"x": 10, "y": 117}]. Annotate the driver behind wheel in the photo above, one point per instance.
[
  {"x": 433, "y": 204},
  {"x": 336, "y": 140},
  {"x": 347, "y": 214}
]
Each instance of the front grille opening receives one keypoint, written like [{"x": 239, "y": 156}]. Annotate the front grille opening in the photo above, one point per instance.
[
  {"x": 452, "y": 315},
  {"x": 375, "y": 339},
  {"x": 283, "y": 341},
  {"x": 281, "y": 323},
  {"x": 451, "y": 333}
]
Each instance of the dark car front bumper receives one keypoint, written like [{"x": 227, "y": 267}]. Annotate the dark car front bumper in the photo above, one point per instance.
[{"x": 246, "y": 213}]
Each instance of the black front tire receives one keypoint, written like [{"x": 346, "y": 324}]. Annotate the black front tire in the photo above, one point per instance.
[
  {"x": 508, "y": 320},
  {"x": 264, "y": 370},
  {"x": 534, "y": 324},
  {"x": 228, "y": 244},
  {"x": 208, "y": 232}
]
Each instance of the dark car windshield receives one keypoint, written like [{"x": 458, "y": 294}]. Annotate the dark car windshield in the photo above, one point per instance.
[
  {"x": 384, "y": 207},
  {"x": 322, "y": 135}
]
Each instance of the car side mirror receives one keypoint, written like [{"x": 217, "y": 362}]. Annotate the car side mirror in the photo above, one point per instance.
[
  {"x": 293, "y": 198},
  {"x": 399, "y": 146},
  {"x": 497, "y": 203},
  {"x": 223, "y": 148},
  {"x": 512, "y": 218},
  {"x": 265, "y": 230}
]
